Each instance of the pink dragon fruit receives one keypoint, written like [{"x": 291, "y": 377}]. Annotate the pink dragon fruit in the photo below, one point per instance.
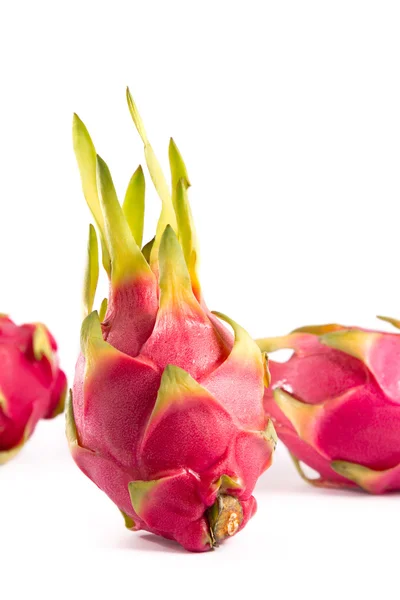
[
  {"x": 32, "y": 386},
  {"x": 336, "y": 404},
  {"x": 166, "y": 415}
]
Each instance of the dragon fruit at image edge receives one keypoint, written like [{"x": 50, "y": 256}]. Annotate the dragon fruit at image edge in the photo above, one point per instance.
[
  {"x": 336, "y": 404},
  {"x": 32, "y": 387},
  {"x": 166, "y": 414}
]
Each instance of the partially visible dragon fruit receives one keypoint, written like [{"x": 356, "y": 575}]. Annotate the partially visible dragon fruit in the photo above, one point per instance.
[
  {"x": 166, "y": 415},
  {"x": 336, "y": 404},
  {"x": 32, "y": 386}
]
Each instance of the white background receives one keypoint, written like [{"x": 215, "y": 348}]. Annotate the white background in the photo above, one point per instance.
[{"x": 288, "y": 117}]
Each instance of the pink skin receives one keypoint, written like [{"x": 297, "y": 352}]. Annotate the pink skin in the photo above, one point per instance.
[
  {"x": 32, "y": 389},
  {"x": 360, "y": 420},
  {"x": 189, "y": 443}
]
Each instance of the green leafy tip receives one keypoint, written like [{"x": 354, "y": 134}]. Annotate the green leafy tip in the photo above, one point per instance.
[
  {"x": 167, "y": 216},
  {"x": 127, "y": 260},
  {"x": 91, "y": 272},
  {"x": 85, "y": 153},
  {"x": 174, "y": 279},
  {"x": 134, "y": 205}
]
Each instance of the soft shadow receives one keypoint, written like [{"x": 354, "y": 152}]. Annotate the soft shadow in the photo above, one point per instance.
[{"x": 150, "y": 543}]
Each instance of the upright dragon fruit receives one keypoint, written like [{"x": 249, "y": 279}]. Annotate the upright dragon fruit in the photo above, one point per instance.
[
  {"x": 166, "y": 415},
  {"x": 32, "y": 386},
  {"x": 336, "y": 404}
]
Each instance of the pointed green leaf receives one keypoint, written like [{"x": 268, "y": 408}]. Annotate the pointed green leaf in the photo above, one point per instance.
[
  {"x": 394, "y": 322},
  {"x": 355, "y": 342},
  {"x": 318, "y": 329},
  {"x": 167, "y": 216},
  {"x": 369, "y": 480},
  {"x": 41, "y": 344},
  {"x": 126, "y": 258},
  {"x": 92, "y": 342},
  {"x": 129, "y": 522},
  {"x": 302, "y": 416},
  {"x": 103, "y": 309},
  {"x": 270, "y": 434},
  {"x": 175, "y": 284},
  {"x": 70, "y": 427},
  {"x": 244, "y": 346},
  {"x": 187, "y": 234},
  {"x": 91, "y": 272},
  {"x": 177, "y": 166},
  {"x": 139, "y": 491},
  {"x": 267, "y": 373},
  {"x": 276, "y": 343},
  {"x": 147, "y": 248},
  {"x": 175, "y": 387},
  {"x": 226, "y": 483},
  {"x": 186, "y": 230},
  {"x": 294, "y": 341},
  {"x": 134, "y": 205},
  {"x": 86, "y": 157}
]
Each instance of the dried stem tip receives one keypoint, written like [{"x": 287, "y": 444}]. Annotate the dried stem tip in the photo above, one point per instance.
[{"x": 225, "y": 517}]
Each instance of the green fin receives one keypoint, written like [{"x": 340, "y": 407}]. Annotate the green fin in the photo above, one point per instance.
[
  {"x": 244, "y": 346},
  {"x": 186, "y": 230},
  {"x": 86, "y": 157},
  {"x": 129, "y": 522},
  {"x": 394, "y": 322},
  {"x": 318, "y": 329},
  {"x": 70, "y": 427},
  {"x": 175, "y": 386},
  {"x": 267, "y": 374},
  {"x": 270, "y": 434},
  {"x": 367, "y": 479},
  {"x": 175, "y": 283},
  {"x": 167, "y": 216},
  {"x": 139, "y": 490},
  {"x": 146, "y": 250},
  {"x": 126, "y": 258},
  {"x": 103, "y": 309},
  {"x": 225, "y": 483},
  {"x": 134, "y": 205},
  {"x": 92, "y": 342},
  {"x": 301, "y": 415},
  {"x": 278, "y": 343},
  {"x": 41, "y": 344},
  {"x": 355, "y": 342},
  {"x": 91, "y": 272}
]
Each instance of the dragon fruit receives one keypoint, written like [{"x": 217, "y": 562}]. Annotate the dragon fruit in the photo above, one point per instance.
[
  {"x": 166, "y": 413},
  {"x": 32, "y": 386},
  {"x": 336, "y": 404}
]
